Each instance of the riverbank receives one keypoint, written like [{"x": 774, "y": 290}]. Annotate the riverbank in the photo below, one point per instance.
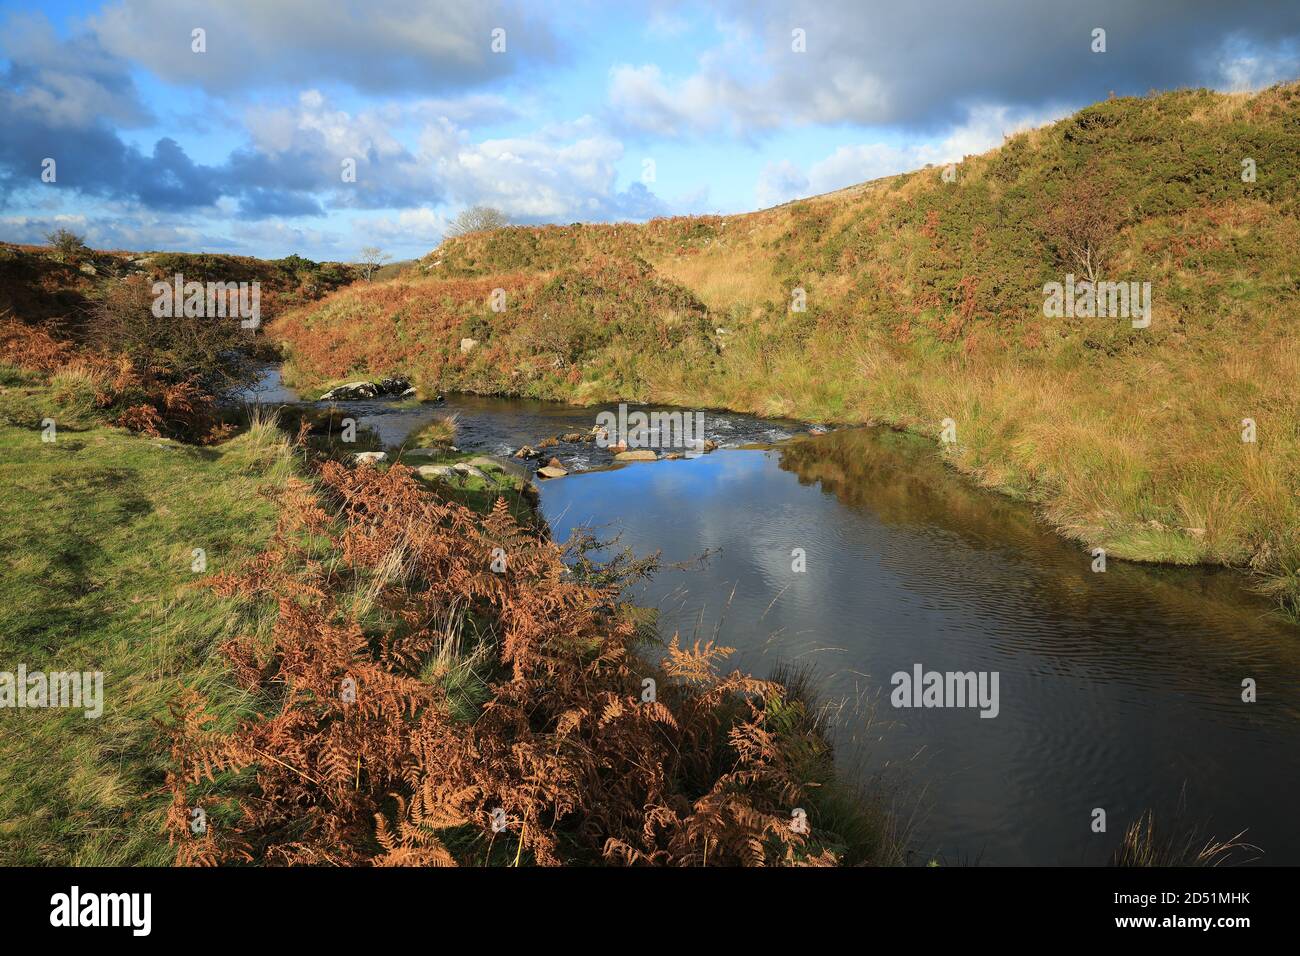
[
  {"x": 368, "y": 642},
  {"x": 918, "y": 302}
]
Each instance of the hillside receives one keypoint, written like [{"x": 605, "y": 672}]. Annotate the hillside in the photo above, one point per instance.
[
  {"x": 38, "y": 285},
  {"x": 924, "y": 301}
]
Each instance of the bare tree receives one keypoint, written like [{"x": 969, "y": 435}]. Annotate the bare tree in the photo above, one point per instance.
[
  {"x": 372, "y": 257},
  {"x": 1084, "y": 228},
  {"x": 477, "y": 219}
]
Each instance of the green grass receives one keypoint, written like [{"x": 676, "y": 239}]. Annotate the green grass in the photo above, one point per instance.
[{"x": 98, "y": 530}]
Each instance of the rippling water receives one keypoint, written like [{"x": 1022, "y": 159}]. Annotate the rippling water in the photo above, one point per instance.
[{"x": 1119, "y": 690}]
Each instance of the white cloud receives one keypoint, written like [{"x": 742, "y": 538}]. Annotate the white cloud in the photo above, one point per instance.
[
  {"x": 984, "y": 128},
  {"x": 1242, "y": 68},
  {"x": 562, "y": 172},
  {"x": 780, "y": 182},
  {"x": 421, "y": 227}
]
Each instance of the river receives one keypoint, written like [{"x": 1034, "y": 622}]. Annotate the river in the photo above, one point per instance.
[{"x": 860, "y": 554}]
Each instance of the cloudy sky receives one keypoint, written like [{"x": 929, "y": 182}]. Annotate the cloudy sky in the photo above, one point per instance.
[{"x": 590, "y": 111}]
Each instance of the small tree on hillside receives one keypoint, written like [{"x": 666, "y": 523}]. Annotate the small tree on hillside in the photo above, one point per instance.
[
  {"x": 372, "y": 257},
  {"x": 66, "y": 245},
  {"x": 477, "y": 219},
  {"x": 1083, "y": 229}
]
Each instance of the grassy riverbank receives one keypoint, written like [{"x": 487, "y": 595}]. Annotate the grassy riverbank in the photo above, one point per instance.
[
  {"x": 474, "y": 688},
  {"x": 922, "y": 301},
  {"x": 99, "y": 529}
]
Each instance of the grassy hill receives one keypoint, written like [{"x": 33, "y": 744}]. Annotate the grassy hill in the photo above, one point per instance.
[{"x": 923, "y": 300}]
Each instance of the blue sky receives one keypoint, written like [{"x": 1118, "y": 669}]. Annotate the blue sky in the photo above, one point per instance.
[{"x": 592, "y": 112}]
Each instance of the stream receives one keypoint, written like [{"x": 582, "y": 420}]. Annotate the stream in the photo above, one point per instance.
[{"x": 858, "y": 554}]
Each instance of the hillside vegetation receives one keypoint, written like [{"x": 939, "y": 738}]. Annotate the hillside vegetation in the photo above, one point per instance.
[{"x": 923, "y": 301}]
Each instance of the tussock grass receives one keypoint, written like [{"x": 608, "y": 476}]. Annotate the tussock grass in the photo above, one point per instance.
[
  {"x": 439, "y": 433},
  {"x": 1146, "y": 843},
  {"x": 98, "y": 531}
]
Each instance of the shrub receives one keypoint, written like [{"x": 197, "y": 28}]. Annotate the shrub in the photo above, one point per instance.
[
  {"x": 205, "y": 349},
  {"x": 67, "y": 246},
  {"x": 371, "y": 749}
]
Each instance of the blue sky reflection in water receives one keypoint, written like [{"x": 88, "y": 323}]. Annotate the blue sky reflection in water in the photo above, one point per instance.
[{"x": 1117, "y": 690}]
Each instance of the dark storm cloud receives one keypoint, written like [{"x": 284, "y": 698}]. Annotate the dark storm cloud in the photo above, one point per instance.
[
  {"x": 259, "y": 203},
  {"x": 926, "y": 63},
  {"x": 930, "y": 59},
  {"x": 68, "y": 100},
  {"x": 400, "y": 46},
  {"x": 96, "y": 161}
]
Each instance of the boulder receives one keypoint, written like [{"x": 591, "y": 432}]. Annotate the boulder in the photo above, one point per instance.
[
  {"x": 571, "y": 437},
  {"x": 465, "y": 468},
  {"x": 637, "y": 454},
  {"x": 435, "y": 471},
  {"x": 710, "y": 445},
  {"x": 359, "y": 391},
  {"x": 547, "y": 471},
  {"x": 371, "y": 457},
  {"x": 527, "y": 451},
  {"x": 467, "y": 345},
  {"x": 351, "y": 392},
  {"x": 555, "y": 463},
  {"x": 394, "y": 386}
]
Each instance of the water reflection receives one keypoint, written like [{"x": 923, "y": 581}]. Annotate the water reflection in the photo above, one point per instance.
[{"x": 1117, "y": 689}]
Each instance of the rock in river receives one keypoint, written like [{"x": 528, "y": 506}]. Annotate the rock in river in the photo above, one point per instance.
[{"x": 351, "y": 392}]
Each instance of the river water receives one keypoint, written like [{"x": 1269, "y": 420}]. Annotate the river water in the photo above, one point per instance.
[{"x": 1119, "y": 691}]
